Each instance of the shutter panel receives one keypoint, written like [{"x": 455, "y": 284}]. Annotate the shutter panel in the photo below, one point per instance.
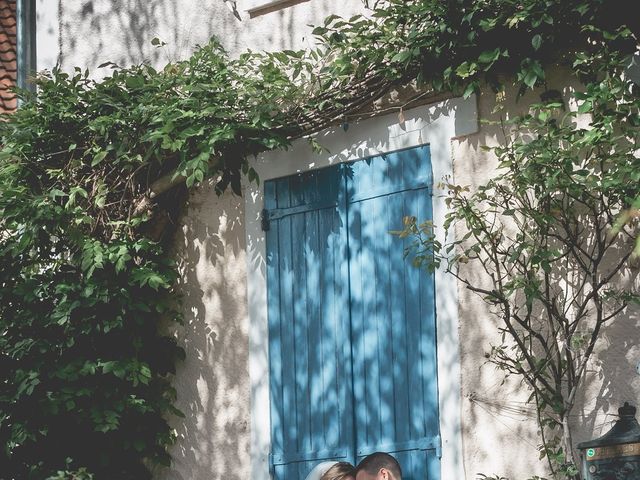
[
  {"x": 392, "y": 314},
  {"x": 308, "y": 322},
  {"x": 351, "y": 322}
]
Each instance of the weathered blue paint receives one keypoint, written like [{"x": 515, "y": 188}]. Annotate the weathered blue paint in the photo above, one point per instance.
[{"x": 351, "y": 323}]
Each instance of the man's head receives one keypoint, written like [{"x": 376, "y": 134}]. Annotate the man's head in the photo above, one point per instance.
[{"x": 378, "y": 466}]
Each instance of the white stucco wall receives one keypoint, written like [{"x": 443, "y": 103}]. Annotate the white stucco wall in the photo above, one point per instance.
[
  {"x": 213, "y": 381},
  {"x": 87, "y": 33},
  {"x": 500, "y": 434},
  {"x": 47, "y": 34},
  {"x": 499, "y": 429}
]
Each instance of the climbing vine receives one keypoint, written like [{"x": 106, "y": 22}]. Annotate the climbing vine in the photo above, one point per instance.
[{"x": 94, "y": 173}]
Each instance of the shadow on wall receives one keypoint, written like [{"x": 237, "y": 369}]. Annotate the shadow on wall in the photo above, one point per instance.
[
  {"x": 213, "y": 382},
  {"x": 496, "y": 414},
  {"x": 498, "y": 425},
  {"x": 613, "y": 379},
  {"x": 96, "y": 31}
]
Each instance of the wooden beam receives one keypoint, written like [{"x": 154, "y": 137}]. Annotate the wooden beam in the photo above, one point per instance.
[{"x": 272, "y": 6}]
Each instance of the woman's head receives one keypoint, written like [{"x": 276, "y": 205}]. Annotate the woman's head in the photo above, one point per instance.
[{"x": 340, "y": 471}]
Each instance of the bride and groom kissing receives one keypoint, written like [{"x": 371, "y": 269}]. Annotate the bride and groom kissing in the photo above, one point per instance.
[{"x": 377, "y": 466}]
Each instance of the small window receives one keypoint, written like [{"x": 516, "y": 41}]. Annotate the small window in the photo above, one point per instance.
[{"x": 255, "y": 8}]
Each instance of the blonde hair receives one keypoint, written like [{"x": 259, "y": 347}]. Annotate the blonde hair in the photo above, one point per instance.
[{"x": 339, "y": 471}]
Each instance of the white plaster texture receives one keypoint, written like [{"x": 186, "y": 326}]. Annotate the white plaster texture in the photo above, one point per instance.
[
  {"x": 497, "y": 439},
  {"x": 47, "y": 34},
  {"x": 213, "y": 382},
  {"x": 499, "y": 429},
  {"x": 95, "y": 31}
]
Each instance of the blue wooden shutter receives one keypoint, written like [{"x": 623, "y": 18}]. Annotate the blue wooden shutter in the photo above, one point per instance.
[
  {"x": 392, "y": 315},
  {"x": 351, "y": 322},
  {"x": 308, "y": 322}
]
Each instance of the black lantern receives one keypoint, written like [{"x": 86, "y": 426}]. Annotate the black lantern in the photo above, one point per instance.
[{"x": 615, "y": 455}]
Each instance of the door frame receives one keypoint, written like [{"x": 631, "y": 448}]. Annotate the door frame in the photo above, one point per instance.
[{"x": 436, "y": 125}]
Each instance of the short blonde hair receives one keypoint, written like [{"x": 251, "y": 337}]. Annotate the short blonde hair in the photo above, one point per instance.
[{"x": 339, "y": 471}]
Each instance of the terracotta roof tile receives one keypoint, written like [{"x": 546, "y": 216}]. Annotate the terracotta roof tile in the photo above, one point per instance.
[{"x": 8, "y": 57}]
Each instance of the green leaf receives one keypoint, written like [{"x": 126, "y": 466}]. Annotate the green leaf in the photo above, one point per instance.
[
  {"x": 536, "y": 41},
  {"x": 56, "y": 192},
  {"x": 98, "y": 157},
  {"x": 530, "y": 78},
  {"x": 470, "y": 89},
  {"x": 252, "y": 176},
  {"x": 466, "y": 69},
  {"x": 489, "y": 56},
  {"x": 585, "y": 107},
  {"x": 135, "y": 81},
  {"x": 401, "y": 56}
]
